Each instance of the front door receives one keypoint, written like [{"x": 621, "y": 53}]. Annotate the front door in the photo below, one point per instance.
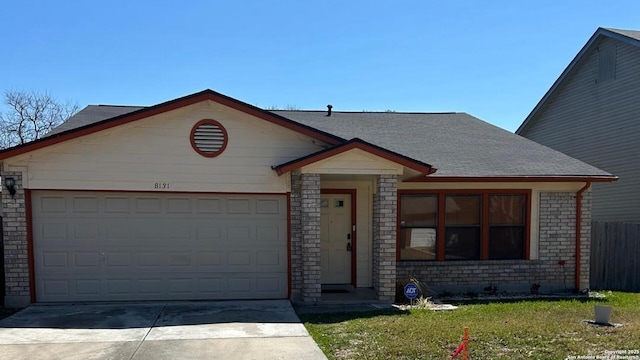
[{"x": 336, "y": 241}]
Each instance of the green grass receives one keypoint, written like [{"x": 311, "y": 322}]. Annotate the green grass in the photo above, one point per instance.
[{"x": 532, "y": 329}]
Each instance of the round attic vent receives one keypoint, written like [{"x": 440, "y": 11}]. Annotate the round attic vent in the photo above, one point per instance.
[{"x": 208, "y": 138}]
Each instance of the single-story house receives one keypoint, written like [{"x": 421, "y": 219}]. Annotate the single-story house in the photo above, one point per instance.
[{"x": 208, "y": 197}]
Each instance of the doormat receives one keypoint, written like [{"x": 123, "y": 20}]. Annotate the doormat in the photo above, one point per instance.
[{"x": 334, "y": 291}]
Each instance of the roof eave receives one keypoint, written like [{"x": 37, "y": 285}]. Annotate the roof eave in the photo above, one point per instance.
[
  {"x": 521, "y": 178},
  {"x": 594, "y": 38},
  {"x": 168, "y": 106}
]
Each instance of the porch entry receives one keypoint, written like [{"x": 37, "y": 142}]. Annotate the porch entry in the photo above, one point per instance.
[{"x": 337, "y": 237}]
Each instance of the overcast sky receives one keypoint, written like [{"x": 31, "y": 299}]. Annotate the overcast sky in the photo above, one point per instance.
[{"x": 492, "y": 59}]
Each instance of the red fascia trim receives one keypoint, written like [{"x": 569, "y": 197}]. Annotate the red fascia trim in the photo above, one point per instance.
[
  {"x": 354, "y": 234},
  {"x": 234, "y": 104},
  {"x": 165, "y": 107},
  {"x": 422, "y": 178},
  {"x": 163, "y": 192},
  {"x": 355, "y": 145},
  {"x": 30, "y": 251},
  {"x": 465, "y": 191},
  {"x": 579, "y": 231}
]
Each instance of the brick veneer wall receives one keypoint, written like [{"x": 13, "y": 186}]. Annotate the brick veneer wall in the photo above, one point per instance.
[
  {"x": 557, "y": 242},
  {"x": 310, "y": 215},
  {"x": 384, "y": 237},
  {"x": 16, "y": 258},
  {"x": 296, "y": 270}
]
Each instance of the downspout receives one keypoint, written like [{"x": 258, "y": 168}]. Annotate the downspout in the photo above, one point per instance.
[{"x": 579, "y": 230}]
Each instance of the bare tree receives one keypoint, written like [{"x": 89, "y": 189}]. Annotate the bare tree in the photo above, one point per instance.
[{"x": 31, "y": 115}]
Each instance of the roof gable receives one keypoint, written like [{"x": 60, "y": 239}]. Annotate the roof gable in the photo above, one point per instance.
[
  {"x": 350, "y": 145},
  {"x": 138, "y": 113},
  {"x": 630, "y": 37}
]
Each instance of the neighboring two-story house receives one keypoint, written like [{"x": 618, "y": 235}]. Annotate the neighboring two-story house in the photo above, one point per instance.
[{"x": 592, "y": 113}]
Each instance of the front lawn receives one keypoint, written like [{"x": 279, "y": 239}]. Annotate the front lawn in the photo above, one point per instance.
[{"x": 531, "y": 329}]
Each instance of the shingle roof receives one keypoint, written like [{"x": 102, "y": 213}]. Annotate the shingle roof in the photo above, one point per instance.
[
  {"x": 634, "y": 34},
  {"x": 457, "y": 144},
  {"x": 92, "y": 114}
]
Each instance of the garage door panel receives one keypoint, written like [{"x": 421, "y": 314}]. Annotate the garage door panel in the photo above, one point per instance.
[
  {"x": 88, "y": 287},
  {"x": 52, "y": 204},
  {"x": 150, "y": 286},
  {"x": 206, "y": 259},
  {"x": 116, "y": 205},
  {"x": 179, "y": 206},
  {"x": 103, "y": 246},
  {"x": 84, "y": 205},
  {"x": 118, "y": 259},
  {"x": 56, "y": 287},
  {"x": 180, "y": 259},
  {"x": 208, "y": 206},
  {"x": 165, "y": 286},
  {"x": 238, "y": 206},
  {"x": 147, "y": 205},
  {"x": 210, "y": 286},
  {"x": 118, "y": 286},
  {"x": 268, "y": 258},
  {"x": 52, "y": 232},
  {"x": 86, "y": 231},
  {"x": 86, "y": 260}
]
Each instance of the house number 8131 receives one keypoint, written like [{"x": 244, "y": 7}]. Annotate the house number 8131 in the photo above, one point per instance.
[{"x": 161, "y": 185}]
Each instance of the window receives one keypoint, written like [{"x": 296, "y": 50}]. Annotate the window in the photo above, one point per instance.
[
  {"x": 418, "y": 227},
  {"x": 506, "y": 226},
  {"x": 463, "y": 225}
]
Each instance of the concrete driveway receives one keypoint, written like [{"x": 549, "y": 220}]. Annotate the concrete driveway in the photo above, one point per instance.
[{"x": 174, "y": 330}]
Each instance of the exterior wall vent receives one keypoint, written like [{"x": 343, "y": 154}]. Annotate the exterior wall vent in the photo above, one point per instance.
[
  {"x": 209, "y": 138},
  {"x": 607, "y": 63}
]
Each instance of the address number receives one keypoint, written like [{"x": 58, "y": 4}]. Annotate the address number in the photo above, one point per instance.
[{"x": 161, "y": 185}]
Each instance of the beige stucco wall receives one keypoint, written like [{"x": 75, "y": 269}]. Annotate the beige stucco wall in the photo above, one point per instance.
[{"x": 157, "y": 149}]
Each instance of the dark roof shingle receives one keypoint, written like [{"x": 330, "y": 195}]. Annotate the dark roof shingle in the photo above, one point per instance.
[
  {"x": 91, "y": 115},
  {"x": 457, "y": 144},
  {"x": 634, "y": 34}
]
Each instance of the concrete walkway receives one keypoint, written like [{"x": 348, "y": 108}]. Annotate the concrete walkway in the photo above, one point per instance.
[{"x": 173, "y": 330}]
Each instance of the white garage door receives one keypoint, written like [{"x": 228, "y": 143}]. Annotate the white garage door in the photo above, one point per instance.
[{"x": 91, "y": 246}]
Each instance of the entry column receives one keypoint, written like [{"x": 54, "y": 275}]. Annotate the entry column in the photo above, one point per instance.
[
  {"x": 16, "y": 253},
  {"x": 310, "y": 201},
  {"x": 384, "y": 236}
]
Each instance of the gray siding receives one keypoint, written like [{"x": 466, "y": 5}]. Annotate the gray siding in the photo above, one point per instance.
[{"x": 598, "y": 122}]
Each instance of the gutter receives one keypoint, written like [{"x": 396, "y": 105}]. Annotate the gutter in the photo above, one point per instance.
[{"x": 579, "y": 231}]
